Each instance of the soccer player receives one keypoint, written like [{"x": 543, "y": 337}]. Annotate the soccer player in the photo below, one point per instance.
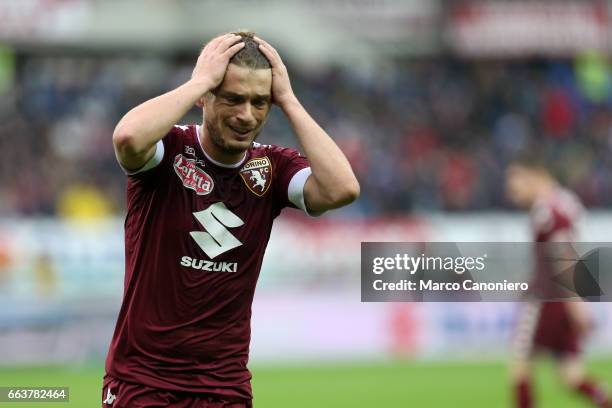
[
  {"x": 555, "y": 327},
  {"x": 200, "y": 204}
]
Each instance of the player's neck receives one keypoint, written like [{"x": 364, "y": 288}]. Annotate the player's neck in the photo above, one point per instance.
[{"x": 217, "y": 155}]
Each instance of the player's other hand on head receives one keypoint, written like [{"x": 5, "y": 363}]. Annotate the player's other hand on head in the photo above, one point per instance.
[
  {"x": 281, "y": 85},
  {"x": 212, "y": 63}
]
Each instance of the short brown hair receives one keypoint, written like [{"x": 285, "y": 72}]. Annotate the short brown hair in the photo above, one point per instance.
[{"x": 250, "y": 56}]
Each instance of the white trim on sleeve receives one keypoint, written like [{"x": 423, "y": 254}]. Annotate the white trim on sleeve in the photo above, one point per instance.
[
  {"x": 153, "y": 161},
  {"x": 295, "y": 190}
]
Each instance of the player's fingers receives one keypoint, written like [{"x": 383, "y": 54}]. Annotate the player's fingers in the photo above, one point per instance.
[
  {"x": 274, "y": 59},
  {"x": 216, "y": 42},
  {"x": 259, "y": 40},
  {"x": 268, "y": 53},
  {"x": 266, "y": 44},
  {"x": 234, "y": 49},
  {"x": 227, "y": 42},
  {"x": 272, "y": 55}
]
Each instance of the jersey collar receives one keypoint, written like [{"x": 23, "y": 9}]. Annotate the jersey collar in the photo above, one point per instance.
[{"x": 213, "y": 161}]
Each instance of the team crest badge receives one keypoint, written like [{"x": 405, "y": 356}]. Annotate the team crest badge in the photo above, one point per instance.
[
  {"x": 193, "y": 177},
  {"x": 257, "y": 175}
]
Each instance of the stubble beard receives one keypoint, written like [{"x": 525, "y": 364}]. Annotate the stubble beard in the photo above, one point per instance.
[{"x": 215, "y": 136}]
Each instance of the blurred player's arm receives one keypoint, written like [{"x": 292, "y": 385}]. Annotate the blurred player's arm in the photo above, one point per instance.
[
  {"x": 137, "y": 133},
  {"x": 580, "y": 316},
  {"x": 332, "y": 183}
]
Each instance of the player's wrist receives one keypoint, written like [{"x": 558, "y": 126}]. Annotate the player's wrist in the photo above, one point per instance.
[
  {"x": 288, "y": 103},
  {"x": 200, "y": 85}
]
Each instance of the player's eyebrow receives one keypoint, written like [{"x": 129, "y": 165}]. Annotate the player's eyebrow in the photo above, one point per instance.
[
  {"x": 228, "y": 94},
  {"x": 265, "y": 97}
]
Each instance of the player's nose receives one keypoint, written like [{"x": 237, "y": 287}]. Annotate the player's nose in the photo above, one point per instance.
[{"x": 245, "y": 114}]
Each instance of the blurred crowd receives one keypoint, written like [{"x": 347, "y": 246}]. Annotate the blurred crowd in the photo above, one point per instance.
[{"x": 429, "y": 134}]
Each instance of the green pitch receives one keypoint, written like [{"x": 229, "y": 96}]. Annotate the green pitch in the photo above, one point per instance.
[{"x": 395, "y": 384}]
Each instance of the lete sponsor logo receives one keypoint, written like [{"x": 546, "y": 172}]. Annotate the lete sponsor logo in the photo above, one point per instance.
[{"x": 192, "y": 176}]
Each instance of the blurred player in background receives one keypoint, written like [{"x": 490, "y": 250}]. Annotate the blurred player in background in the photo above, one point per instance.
[
  {"x": 555, "y": 327},
  {"x": 201, "y": 201}
]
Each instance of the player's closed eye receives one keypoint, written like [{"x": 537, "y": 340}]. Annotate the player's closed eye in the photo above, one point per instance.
[
  {"x": 259, "y": 103},
  {"x": 233, "y": 100}
]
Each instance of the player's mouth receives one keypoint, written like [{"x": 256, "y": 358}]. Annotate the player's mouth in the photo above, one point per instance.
[{"x": 241, "y": 132}]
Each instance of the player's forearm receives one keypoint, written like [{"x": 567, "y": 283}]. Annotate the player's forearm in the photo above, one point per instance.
[
  {"x": 331, "y": 170},
  {"x": 143, "y": 126}
]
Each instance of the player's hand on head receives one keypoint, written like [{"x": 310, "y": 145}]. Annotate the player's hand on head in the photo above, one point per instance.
[
  {"x": 212, "y": 62},
  {"x": 281, "y": 85}
]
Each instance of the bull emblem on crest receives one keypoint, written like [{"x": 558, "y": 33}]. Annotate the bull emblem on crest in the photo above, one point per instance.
[
  {"x": 257, "y": 175},
  {"x": 259, "y": 179}
]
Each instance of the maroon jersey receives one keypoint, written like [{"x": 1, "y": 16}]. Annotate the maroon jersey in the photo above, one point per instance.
[
  {"x": 547, "y": 326},
  {"x": 195, "y": 235},
  {"x": 553, "y": 219}
]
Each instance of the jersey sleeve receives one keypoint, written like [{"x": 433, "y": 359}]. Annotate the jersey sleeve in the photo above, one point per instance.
[
  {"x": 292, "y": 171},
  {"x": 162, "y": 157}
]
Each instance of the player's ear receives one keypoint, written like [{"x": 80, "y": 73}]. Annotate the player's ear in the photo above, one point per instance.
[{"x": 207, "y": 98}]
